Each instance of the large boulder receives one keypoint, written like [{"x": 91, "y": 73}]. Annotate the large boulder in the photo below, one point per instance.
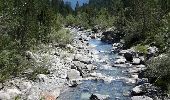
[
  {"x": 4, "y": 96},
  {"x": 73, "y": 74},
  {"x": 52, "y": 95},
  {"x": 128, "y": 56},
  {"x": 136, "y": 61},
  {"x": 9, "y": 94}
]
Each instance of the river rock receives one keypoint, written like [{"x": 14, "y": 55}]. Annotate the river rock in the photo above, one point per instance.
[
  {"x": 1, "y": 86},
  {"x": 72, "y": 83},
  {"x": 128, "y": 56},
  {"x": 42, "y": 77},
  {"x": 152, "y": 50},
  {"x": 9, "y": 94},
  {"x": 52, "y": 95},
  {"x": 4, "y": 96},
  {"x": 141, "y": 98},
  {"x": 120, "y": 61},
  {"x": 73, "y": 74},
  {"x": 99, "y": 97},
  {"x": 83, "y": 59},
  {"x": 25, "y": 86},
  {"x": 136, "y": 61},
  {"x": 137, "y": 90}
]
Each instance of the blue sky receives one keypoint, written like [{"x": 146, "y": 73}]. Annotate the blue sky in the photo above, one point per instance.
[{"x": 73, "y": 2}]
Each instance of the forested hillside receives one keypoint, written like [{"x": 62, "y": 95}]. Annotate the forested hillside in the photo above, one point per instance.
[{"x": 24, "y": 24}]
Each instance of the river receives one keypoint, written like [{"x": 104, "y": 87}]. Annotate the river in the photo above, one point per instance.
[{"x": 117, "y": 88}]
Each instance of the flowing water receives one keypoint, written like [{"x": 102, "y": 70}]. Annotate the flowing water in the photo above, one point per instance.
[{"x": 116, "y": 89}]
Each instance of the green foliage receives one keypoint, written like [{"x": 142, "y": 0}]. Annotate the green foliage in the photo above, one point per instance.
[
  {"x": 159, "y": 68},
  {"x": 23, "y": 25},
  {"x": 62, "y": 36},
  {"x": 70, "y": 20},
  {"x": 12, "y": 64},
  {"x": 141, "y": 48}
]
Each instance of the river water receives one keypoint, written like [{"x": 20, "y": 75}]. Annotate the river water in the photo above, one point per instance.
[{"x": 117, "y": 88}]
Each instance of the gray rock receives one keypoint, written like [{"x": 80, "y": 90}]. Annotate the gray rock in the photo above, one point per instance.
[
  {"x": 72, "y": 83},
  {"x": 79, "y": 64},
  {"x": 25, "y": 86},
  {"x": 120, "y": 61},
  {"x": 42, "y": 77},
  {"x": 99, "y": 97},
  {"x": 141, "y": 98},
  {"x": 136, "y": 61},
  {"x": 152, "y": 50},
  {"x": 128, "y": 56},
  {"x": 73, "y": 74},
  {"x": 4, "y": 96},
  {"x": 13, "y": 92},
  {"x": 1, "y": 86},
  {"x": 52, "y": 95},
  {"x": 137, "y": 90}
]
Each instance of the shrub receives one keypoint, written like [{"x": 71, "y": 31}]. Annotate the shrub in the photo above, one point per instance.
[
  {"x": 70, "y": 20},
  {"x": 141, "y": 49},
  {"x": 12, "y": 64},
  {"x": 159, "y": 70},
  {"x": 62, "y": 36}
]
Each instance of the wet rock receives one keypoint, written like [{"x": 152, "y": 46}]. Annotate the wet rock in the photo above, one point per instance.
[
  {"x": 73, "y": 74},
  {"x": 99, "y": 97},
  {"x": 73, "y": 83},
  {"x": 94, "y": 97},
  {"x": 99, "y": 76},
  {"x": 128, "y": 56},
  {"x": 93, "y": 36},
  {"x": 119, "y": 65},
  {"x": 120, "y": 61},
  {"x": 141, "y": 98},
  {"x": 116, "y": 47},
  {"x": 142, "y": 81},
  {"x": 130, "y": 80}
]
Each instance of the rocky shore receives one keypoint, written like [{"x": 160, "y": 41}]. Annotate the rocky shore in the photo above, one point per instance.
[{"x": 69, "y": 66}]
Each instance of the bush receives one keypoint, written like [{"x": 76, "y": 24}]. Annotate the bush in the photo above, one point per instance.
[
  {"x": 12, "y": 64},
  {"x": 70, "y": 20},
  {"x": 159, "y": 70},
  {"x": 141, "y": 49},
  {"x": 62, "y": 36}
]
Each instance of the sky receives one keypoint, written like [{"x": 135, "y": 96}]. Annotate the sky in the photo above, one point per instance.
[{"x": 73, "y": 2}]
